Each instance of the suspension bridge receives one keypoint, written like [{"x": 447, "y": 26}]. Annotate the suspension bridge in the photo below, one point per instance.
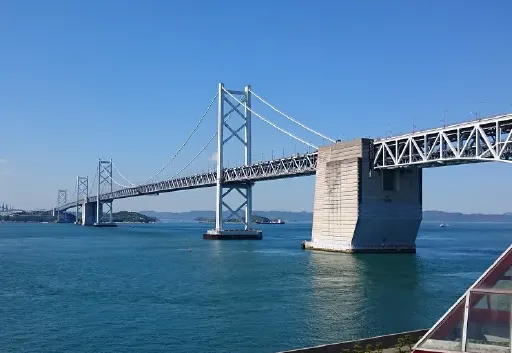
[{"x": 368, "y": 193}]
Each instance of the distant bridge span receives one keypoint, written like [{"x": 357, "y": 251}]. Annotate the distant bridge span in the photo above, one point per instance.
[{"x": 300, "y": 165}]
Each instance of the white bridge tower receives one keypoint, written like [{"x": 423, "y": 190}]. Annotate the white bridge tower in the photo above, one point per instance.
[{"x": 241, "y": 108}]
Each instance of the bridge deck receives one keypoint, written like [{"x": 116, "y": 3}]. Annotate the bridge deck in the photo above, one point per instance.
[
  {"x": 475, "y": 141},
  {"x": 290, "y": 167}
]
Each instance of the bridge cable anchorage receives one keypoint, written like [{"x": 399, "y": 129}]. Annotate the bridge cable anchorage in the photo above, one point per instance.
[
  {"x": 271, "y": 123},
  {"x": 291, "y": 119}
]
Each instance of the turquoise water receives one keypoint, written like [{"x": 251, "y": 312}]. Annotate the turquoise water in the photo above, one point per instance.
[{"x": 65, "y": 288}]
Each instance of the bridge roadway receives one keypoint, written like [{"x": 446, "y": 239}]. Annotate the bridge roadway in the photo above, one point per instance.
[
  {"x": 481, "y": 140},
  {"x": 299, "y": 165}
]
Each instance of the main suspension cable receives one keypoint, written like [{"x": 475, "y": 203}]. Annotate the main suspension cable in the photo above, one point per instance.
[
  {"x": 186, "y": 141},
  {"x": 122, "y": 176},
  {"x": 271, "y": 123},
  {"x": 173, "y": 157},
  {"x": 290, "y": 118}
]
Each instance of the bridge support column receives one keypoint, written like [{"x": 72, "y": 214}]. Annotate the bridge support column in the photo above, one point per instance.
[
  {"x": 358, "y": 209},
  {"x": 104, "y": 210},
  {"x": 245, "y": 190},
  {"x": 89, "y": 213}
]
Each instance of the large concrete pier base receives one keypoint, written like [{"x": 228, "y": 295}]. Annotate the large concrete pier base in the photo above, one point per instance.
[
  {"x": 89, "y": 216},
  {"x": 233, "y": 234},
  {"x": 362, "y": 210},
  {"x": 88, "y": 213}
]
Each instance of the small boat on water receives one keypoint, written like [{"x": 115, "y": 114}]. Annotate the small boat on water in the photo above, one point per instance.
[
  {"x": 272, "y": 221},
  {"x": 442, "y": 225}
]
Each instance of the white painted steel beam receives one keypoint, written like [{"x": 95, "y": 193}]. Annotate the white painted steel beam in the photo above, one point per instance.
[{"x": 470, "y": 142}]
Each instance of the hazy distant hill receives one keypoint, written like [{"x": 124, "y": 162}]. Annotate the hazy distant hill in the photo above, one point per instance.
[
  {"x": 192, "y": 215},
  {"x": 463, "y": 217},
  {"x": 437, "y": 216}
]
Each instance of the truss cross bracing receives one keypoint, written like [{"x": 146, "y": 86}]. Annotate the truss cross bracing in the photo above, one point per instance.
[
  {"x": 104, "y": 207},
  {"x": 241, "y": 108},
  {"x": 82, "y": 193},
  {"x": 481, "y": 140},
  {"x": 62, "y": 199}
]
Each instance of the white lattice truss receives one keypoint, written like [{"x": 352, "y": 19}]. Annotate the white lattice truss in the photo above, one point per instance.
[
  {"x": 82, "y": 186},
  {"x": 299, "y": 165},
  {"x": 62, "y": 197},
  {"x": 481, "y": 140},
  {"x": 105, "y": 182}
]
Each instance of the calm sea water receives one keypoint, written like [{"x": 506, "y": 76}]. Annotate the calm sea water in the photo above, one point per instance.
[{"x": 65, "y": 288}]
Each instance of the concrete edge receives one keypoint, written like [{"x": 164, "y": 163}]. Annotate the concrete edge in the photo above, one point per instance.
[
  {"x": 309, "y": 245},
  {"x": 388, "y": 341}
]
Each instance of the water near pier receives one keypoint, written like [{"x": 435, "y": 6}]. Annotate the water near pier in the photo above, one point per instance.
[{"x": 65, "y": 288}]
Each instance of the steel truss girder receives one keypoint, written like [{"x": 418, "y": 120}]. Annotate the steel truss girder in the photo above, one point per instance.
[
  {"x": 481, "y": 140},
  {"x": 295, "y": 166}
]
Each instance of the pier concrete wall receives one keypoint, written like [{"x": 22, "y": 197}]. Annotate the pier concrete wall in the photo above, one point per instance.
[
  {"x": 357, "y": 209},
  {"x": 88, "y": 213}
]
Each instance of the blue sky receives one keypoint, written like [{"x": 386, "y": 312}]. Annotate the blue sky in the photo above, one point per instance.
[{"x": 129, "y": 80}]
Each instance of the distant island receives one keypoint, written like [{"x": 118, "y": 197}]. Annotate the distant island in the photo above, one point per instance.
[
  {"x": 255, "y": 219},
  {"x": 259, "y": 216},
  {"x": 440, "y": 216},
  {"x": 132, "y": 217},
  {"x": 204, "y": 216},
  {"x": 47, "y": 217},
  {"x": 30, "y": 217},
  {"x": 290, "y": 216}
]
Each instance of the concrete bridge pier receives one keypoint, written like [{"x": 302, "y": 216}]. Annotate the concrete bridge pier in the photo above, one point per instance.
[
  {"x": 89, "y": 213},
  {"x": 357, "y": 209},
  {"x": 104, "y": 217}
]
